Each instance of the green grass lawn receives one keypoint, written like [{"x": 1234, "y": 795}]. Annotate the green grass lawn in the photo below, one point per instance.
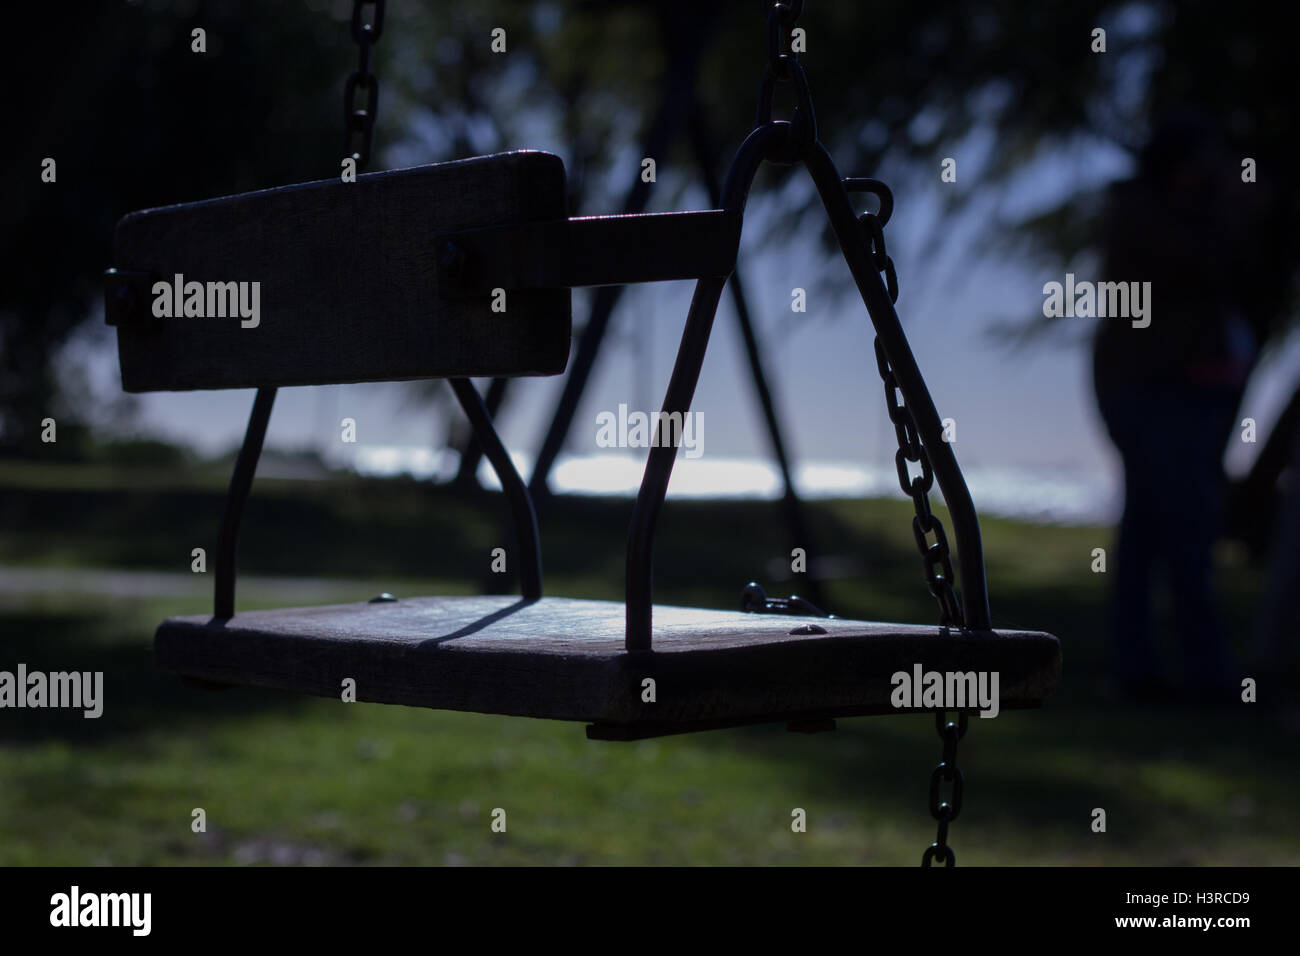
[{"x": 285, "y": 779}]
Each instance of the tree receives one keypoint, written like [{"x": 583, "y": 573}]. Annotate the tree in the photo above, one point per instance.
[{"x": 135, "y": 118}]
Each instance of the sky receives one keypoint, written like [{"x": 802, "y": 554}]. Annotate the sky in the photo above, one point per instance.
[{"x": 1023, "y": 411}]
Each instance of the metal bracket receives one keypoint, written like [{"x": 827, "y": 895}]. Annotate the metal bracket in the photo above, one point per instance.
[
  {"x": 588, "y": 251},
  {"x": 754, "y": 600}
]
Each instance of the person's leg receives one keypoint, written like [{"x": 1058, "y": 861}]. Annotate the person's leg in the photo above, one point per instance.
[
  {"x": 1193, "y": 509},
  {"x": 1130, "y": 612},
  {"x": 1278, "y": 613},
  {"x": 1133, "y": 654}
]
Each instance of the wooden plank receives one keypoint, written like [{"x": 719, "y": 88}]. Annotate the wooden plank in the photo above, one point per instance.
[
  {"x": 563, "y": 659},
  {"x": 348, "y": 276}
]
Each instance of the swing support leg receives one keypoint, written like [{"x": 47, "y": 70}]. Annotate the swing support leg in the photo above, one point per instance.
[
  {"x": 639, "y": 584},
  {"x": 472, "y": 453},
  {"x": 702, "y": 145},
  {"x": 516, "y": 491},
  {"x": 853, "y": 243},
  {"x": 777, "y": 141},
  {"x": 241, "y": 483}
]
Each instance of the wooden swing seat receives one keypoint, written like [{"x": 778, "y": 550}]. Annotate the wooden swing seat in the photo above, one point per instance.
[
  {"x": 564, "y": 659},
  {"x": 396, "y": 276}
]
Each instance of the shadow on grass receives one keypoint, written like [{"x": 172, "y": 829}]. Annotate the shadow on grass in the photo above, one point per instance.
[
  {"x": 1180, "y": 783},
  {"x": 137, "y": 697}
]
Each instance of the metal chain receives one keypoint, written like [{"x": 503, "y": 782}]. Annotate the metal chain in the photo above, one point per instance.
[
  {"x": 935, "y": 557},
  {"x": 780, "y": 22},
  {"x": 945, "y": 811},
  {"x": 783, "y": 66},
  {"x": 359, "y": 121}
]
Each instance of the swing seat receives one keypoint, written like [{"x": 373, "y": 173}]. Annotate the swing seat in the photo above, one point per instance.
[
  {"x": 396, "y": 276},
  {"x": 564, "y": 659}
]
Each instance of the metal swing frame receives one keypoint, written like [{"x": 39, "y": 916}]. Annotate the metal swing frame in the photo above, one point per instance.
[{"x": 771, "y": 141}]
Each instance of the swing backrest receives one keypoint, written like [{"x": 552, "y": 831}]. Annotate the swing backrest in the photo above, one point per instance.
[{"x": 332, "y": 282}]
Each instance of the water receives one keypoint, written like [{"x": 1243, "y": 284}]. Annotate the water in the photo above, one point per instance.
[{"x": 1045, "y": 497}]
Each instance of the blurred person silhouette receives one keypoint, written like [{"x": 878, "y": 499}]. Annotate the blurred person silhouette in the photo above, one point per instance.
[
  {"x": 1274, "y": 657},
  {"x": 1168, "y": 394}
]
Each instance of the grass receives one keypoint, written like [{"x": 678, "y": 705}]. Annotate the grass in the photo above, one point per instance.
[{"x": 284, "y": 779}]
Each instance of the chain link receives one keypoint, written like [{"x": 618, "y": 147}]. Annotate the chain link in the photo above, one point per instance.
[
  {"x": 945, "y": 811},
  {"x": 783, "y": 67},
  {"x": 359, "y": 120},
  {"x": 780, "y": 25},
  {"x": 936, "y": 557}
]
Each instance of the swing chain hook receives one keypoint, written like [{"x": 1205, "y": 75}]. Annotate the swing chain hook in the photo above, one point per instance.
[
  {"x": 783, "y": 67},
  {"x": 945, "y": 811},
  {"x": 936, "y": 557},
  {"x": 780, "y": 44},
  {"x": 359, "y": 121}
]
